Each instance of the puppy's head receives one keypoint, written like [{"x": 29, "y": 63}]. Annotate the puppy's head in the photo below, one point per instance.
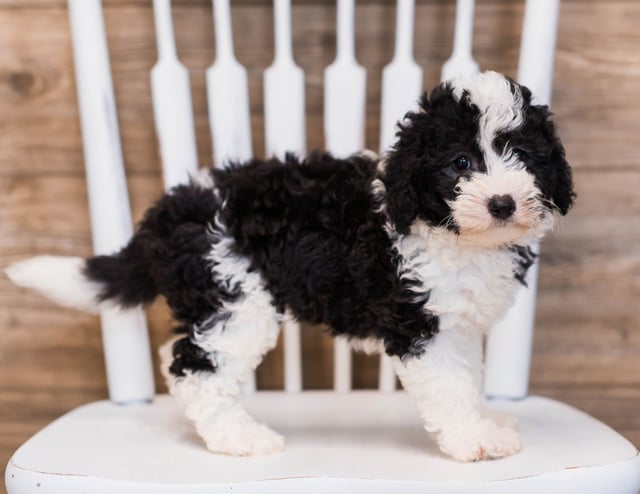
[{"x": 480, "y": 160}]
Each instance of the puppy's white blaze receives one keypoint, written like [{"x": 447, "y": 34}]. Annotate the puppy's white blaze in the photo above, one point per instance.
[
  {"x": 466, "y": 284},
  {"x": 486, "y": 90},
  {"x": 500, "y": 109},
  {"x": 58, "y": 278}
]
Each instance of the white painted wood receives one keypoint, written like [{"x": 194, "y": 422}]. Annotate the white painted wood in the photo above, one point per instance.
[
  {"x": 594, "y": 480},
  {"x": 538, "y": 47},
  {"x": 345, "y": 85},
  {"x": 356, "y": 442},
  {"x": 401, "y": 79},
  {"x": 292, "y": 354},
  {"x": 386, "y": 375},
  {"x": 461, "y": 62},
  {"x": 509, "y": 345},
  {"x": 125, "y": 336},
  {"x": 342, "y": 365},
  {"x": 172, "y": 107},
  {"x": 284, "y": 92},
  {"x": 228, "y": 95}
]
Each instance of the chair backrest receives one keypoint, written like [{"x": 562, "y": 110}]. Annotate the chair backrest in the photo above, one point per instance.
[{"x": 344, "y": 116}]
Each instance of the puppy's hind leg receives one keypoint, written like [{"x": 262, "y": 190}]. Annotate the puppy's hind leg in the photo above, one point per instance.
[{"x": 205, "y": 371}]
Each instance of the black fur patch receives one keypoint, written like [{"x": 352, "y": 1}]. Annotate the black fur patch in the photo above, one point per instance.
[
  {"x": 311, "y": 230},
  {"x": 188, "y": 356},
  {"x": 524, "y": 258}
]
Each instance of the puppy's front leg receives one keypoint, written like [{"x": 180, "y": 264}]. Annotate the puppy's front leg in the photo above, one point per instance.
[{"x": 445, "y": 382}]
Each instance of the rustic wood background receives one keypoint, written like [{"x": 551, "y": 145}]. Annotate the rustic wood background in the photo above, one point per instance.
[{"x": 588, "y": 319}]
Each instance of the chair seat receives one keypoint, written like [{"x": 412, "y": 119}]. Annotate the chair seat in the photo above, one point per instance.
[{"x": 341, "y": 442}]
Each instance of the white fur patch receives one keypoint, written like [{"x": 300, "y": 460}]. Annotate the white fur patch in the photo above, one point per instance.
[
  {"x": 369, "y": 346},
  {"x": 470, "y": 287},
  {"x": 59, "y": 279}
]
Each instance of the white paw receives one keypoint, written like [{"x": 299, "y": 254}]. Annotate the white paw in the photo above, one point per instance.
[
  {"x": 244, "y": 437},
  {"x": 484, "y": 440}
]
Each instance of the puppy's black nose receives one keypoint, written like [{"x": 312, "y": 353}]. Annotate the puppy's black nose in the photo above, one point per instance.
[{"x": 501, "y": 207}]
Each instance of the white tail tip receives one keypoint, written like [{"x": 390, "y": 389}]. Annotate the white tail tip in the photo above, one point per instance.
[{"x": 59, "y": 279}]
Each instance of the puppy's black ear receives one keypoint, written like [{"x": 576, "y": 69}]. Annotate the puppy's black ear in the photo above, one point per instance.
[
  {"x": 562, "y": 192},
  {"x": 526, "y": 94},
  {"x": 563, "y": 195},
  {"x": 402, "y": 197},
  {"x": 555, "y": 178},
  {"x": 399, "y": 175}
]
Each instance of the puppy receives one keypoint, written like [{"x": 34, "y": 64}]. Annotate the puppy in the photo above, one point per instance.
[{"x": 417, "y": 254}]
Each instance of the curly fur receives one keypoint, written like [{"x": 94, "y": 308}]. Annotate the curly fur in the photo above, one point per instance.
[{"x": 411, "y": 254}]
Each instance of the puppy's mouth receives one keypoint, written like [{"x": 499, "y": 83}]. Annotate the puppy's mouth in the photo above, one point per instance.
[{"x": 500, "y": 210}]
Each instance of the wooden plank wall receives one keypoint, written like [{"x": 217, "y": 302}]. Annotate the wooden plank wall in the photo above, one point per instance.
[{"x": 588, "y": 321}]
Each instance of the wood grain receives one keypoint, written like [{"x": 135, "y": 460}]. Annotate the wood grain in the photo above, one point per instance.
[{"x": 588, "y": 324}]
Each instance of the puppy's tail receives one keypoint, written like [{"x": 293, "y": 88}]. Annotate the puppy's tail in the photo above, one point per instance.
[{"x": 87, "y": 284}]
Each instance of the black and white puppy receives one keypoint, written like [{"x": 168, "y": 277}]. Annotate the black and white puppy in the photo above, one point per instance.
[{"x": 417, "y": 254}]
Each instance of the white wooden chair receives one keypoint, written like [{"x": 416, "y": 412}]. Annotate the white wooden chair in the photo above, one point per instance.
[{"x": 337, "y": 441}]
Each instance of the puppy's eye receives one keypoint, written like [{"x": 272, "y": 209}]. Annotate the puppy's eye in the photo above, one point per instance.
[
  {"x": 521, "y": 154},
  {"x": 461, "y": 164}
]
